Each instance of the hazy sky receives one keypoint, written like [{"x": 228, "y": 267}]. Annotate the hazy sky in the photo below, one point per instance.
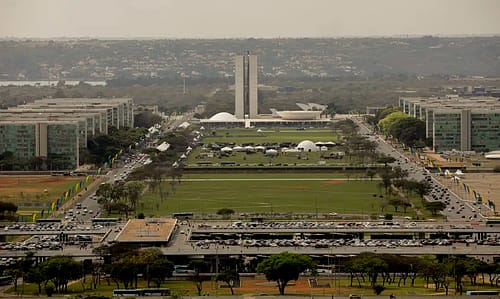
[{"x": 250, "y": 18}]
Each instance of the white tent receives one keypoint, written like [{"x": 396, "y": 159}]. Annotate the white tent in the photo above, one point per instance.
[
  {"x": 459, "y": 172},
  {"x": 271, "y": 152},
  {"x": 238, "y": 149},
  {"x": 260, "y": 148},
  {"x": 249, "y": 148},
  {"x": 307, "y": 146},
  {"x": 184, "y": 125},
  {"x": 163, "y": 147},
  {"x": 226, "y": 149}
]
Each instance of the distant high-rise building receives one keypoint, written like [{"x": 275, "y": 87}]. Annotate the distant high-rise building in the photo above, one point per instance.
[{"x": 245, "y": 100}]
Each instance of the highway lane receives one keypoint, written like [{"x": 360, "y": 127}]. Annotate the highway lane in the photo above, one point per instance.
[
  {"x": 184, "y": 249},
  {"x": 465, "y": 209}
]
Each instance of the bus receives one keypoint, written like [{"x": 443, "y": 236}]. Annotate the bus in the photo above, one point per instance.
[
  {"x": 141, "y": 292},
  {"x": 486, "y": 293}
]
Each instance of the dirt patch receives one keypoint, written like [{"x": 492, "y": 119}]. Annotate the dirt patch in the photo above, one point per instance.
[
  {"x": 261, "y": 286},
  {"x": 333, "y": 182},
  {"x": 485, "y": 184}
]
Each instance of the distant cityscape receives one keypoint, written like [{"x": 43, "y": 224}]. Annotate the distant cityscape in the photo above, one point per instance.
[{"x": 100, "y": 60}]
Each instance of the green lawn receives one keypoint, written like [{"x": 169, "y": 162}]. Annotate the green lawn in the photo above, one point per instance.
[
  {"x": 266, "y": 193},
  {"x": 290, "y": 159},
  {"x": 273, "y": 135}
]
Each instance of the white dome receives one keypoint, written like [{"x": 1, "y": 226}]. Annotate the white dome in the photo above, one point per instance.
[
  {"x": 223, "y": 116},
  {"x": 492, "y": 155},
  {"x": 307, "y": 146}
]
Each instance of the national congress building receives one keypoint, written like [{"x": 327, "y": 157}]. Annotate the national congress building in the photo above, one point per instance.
[{"x": 57, "y": 129}]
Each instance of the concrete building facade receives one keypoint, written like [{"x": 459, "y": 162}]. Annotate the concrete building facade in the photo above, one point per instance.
[
  {"x": 245, "y": 88},
  {"x": 58, "y": 129},
  {"x": 460, "y": 123}
]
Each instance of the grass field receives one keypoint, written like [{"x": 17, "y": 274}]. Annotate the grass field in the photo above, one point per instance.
[
  {"x": 267, "y": 193},
  {"x": 240, "y": 136},
  {"x": 27, "y": 189},
  {"x": 281, "y": 159},
  {"x": 269, "y": 136}
]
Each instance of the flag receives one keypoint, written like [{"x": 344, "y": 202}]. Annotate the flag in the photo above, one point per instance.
[
  {"x": 66, "y": 195},
  {"x": 130, "y": 147},
  {"x": 77, "y": 185},
  {"x": 439, "y": 169},
  {"x": 33, "y": 218},
  {"x": 87, "y": 179},
  {"x": 99, "y": 171},
  {"x": 121, "y": 151},
  {"x": 53, "y": 206},
  {"x": 43, "y": 211}
]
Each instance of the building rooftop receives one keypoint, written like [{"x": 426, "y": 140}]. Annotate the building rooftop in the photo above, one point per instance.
[{"x": 157, "y": 230}]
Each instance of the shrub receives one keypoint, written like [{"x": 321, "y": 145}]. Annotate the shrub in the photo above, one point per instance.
[
  {"x": 49, "y": 290},
  {"x": 378, "y": 289}
]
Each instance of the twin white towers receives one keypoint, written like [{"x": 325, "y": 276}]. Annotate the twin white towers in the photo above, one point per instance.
[{"x": 245, "y": 100}]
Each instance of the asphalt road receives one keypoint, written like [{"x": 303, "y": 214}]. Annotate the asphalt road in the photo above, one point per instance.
[{"x": 466, "y": 210}]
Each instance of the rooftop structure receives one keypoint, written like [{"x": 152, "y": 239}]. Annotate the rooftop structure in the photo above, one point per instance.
[{"x": 147, "y": 231}]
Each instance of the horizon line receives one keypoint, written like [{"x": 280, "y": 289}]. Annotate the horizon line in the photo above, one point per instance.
[{"x": 245, "y": 38}]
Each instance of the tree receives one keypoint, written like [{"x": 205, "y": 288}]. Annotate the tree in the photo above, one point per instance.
[
  {"x": 134, "y": 190},
  {"x": 229, "y": 277},
  {"x": 435, "y": 206},
  {"x": 199, "y": 266},
  {"x": 284, "y": 267},
  {"x": 60, "y": 270},
  {"x": 225, "y": 212},
  {"x": 35, "y": 275},
  {"x": 395, "y": 202},
  {"x": 15, "y": 273},
  {"x": 378, "y": 289},
  {"x": 146, "y": 119},
  {"x": 371, "y": 173},
  {"x": 410, "y": 131},
  {"x": 104, "y": 193},
  {"x": 422, "y": 188},
  {"x": 385, "y": 123},
  {"x": 159, "y": 270}
]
